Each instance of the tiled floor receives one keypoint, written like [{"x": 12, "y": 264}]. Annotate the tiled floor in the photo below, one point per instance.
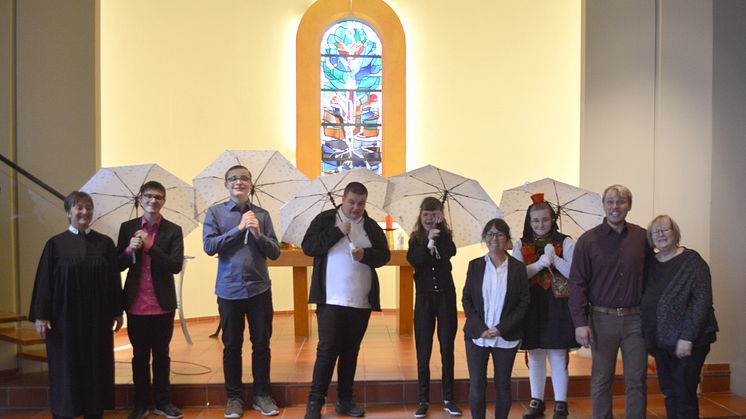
[
  {"x": 385, "y": 357},
  {"x": 711, "y": 406},
  {"x": 384, "y": 354}
]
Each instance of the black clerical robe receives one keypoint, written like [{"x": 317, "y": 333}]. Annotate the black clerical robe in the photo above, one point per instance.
[{"x": 78, "y": 289}]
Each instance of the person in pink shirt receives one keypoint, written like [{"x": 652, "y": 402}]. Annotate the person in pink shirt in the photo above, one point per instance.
[{"x": 152, "y": 248}]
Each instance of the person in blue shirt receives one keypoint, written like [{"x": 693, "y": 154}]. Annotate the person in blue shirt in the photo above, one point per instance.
[{"x": 242, "y": 236}]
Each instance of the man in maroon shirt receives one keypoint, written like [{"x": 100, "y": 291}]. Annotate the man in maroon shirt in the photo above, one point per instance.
[{"x": 606, "y": 283}]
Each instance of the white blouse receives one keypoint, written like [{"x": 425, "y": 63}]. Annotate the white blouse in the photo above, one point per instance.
[{"x": 494, "y": 287}]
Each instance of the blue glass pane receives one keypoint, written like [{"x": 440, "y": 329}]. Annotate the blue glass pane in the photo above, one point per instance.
[{"x": 351, "y": 100}]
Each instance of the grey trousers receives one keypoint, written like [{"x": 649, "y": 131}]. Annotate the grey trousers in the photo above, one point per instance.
[{"x": 610, "y": 333}]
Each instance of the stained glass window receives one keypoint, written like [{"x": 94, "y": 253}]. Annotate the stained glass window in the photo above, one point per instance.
[{"x": 351, "y": 98}]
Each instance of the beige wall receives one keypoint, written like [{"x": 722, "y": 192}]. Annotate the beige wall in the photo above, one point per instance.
[
  {"x": 727, "y": 239},
  {"x": 650, "y": 121},
  {"x": 8, "y": 282},
  {"x": 188, "y": 79},
  {"x": 55, "y": 138},
  {"x": 56, "y": 112}
]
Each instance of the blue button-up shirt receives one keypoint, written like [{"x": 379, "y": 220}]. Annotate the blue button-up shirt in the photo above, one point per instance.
[{"x": 242, "y": 268}]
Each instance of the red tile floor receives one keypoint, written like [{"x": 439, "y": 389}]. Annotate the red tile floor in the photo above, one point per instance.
[{"x": 386, "y": 376}]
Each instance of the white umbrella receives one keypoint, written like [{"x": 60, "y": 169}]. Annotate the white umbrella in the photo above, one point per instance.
[
  {"x": 275, "y": 181},
  {"x": 467, "y": 205},
  {"x": 115, "y": 191},
  {"x": 325, "y": 192},
  {"x": 577, "y": 209}
]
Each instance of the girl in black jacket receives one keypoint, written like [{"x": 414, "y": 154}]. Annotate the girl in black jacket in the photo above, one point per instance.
[{"x": 431, "y": 248}]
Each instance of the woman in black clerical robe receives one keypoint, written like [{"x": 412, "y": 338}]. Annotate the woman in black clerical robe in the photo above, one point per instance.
[{"x": 77, "y": 299}]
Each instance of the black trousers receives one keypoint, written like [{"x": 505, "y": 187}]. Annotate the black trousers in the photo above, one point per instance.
[
  {"x": 477, "y": 358},
  {"x": 98, "y": 416},
  {"x": 678, "y": 379},
  {"x": 151, "y": 334},
  {"x": 431, "y": 308},
  {"x": 259, "y": 311},
  {"x": 341, "y": 330}
]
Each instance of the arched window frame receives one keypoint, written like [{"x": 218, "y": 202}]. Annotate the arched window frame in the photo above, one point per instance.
[{"x": 317, "y": 19}]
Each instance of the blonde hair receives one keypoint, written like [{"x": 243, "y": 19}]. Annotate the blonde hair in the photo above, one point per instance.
[
  {"x": 621, "y": 190},
  {"x": 659, "y": 219}
]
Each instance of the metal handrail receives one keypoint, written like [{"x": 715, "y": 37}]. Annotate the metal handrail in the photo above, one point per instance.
[{"x": 31, "y": 177}]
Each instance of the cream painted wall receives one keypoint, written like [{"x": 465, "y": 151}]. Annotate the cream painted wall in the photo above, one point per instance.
[
  {"x": 49, "y": 121},
  {"x": 492, "y": 88},
  {"x": 727, "y": 240},
  {"x": 650, "y": 121},
  {"x": 8, "y": 280}
]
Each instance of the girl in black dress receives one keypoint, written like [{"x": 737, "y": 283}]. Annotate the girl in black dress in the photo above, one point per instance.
[{"x": 549, "y": 331}]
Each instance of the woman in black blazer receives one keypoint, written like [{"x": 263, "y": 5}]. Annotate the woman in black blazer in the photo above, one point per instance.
[
  {"x": 495, "y": 301},
  {"x": 152, "y": 248}
]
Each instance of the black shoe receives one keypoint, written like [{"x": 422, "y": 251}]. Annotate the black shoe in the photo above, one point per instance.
[
  {"x": 452, "y": 409},
  {"x": 560, "y": 410},
  {"x": 349, "y": 408},
  {"x": 138, "y": 413},
  {"x": 421, "y": 411},
  {"x": 313, "y": 409},
  {"x": 535, "y": 409},
  {"x": 169, "y": 410}
]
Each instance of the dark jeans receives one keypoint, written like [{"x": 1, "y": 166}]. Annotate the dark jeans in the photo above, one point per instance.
[
  {"x": 429, "y": 307},
  {"x": 259, "y": 311},
  {"x": 98, "y": 416},
  {"x": 477, "y": 358},
  {"x": 341, "y": 330},
  {"x": 151, "y": 334},
  {"x": 678, "y": 379}
]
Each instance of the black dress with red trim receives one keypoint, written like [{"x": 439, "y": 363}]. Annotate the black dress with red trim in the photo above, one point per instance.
[{"x": 548, "y": 324}]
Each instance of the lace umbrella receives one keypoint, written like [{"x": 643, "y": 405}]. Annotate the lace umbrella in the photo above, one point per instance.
[{"x": 468, "y": 207}]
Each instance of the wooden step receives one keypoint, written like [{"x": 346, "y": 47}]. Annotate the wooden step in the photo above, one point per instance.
[
  {"x": 23, "y": 336},
  {"x": 9, "y": 317},
  {"x": 34, "y": 354}
]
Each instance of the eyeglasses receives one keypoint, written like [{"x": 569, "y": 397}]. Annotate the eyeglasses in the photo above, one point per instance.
[
  {"x": 495, "y": 234},
  {"x": 243, "y": 178},
  {"x": 151, "y": 197},
  {"x": 661, "y": 231}
]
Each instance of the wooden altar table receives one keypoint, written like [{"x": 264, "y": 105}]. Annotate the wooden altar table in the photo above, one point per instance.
[{"x": 301, "y": 264}]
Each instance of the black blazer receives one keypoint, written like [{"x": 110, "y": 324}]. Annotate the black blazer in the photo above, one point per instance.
[
  {"x": 514, "y": 309},
  {"x": 166, "y": 259}
]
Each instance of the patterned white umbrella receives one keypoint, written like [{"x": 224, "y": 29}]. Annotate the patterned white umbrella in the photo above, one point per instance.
[
  {"x": 577, "y": 209},
  {"x": 115, "y": 197},
  {"x": 467, "y": 205},
  {"x": 275, "y": 180},
  {"x": 325, "y": 192}
]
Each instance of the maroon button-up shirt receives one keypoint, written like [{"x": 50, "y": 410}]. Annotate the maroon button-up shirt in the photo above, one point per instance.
[{"x": 608, "y": 269}]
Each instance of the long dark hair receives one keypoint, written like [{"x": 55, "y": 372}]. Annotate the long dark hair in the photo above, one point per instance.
[
  {"x": 430, "y": 203},
  {"x": 528, "y": 232}
]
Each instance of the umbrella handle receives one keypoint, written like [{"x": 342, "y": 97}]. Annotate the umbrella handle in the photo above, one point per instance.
[
  {"x": 246, "y": 237},
  {"x": 134, "y": 258}
]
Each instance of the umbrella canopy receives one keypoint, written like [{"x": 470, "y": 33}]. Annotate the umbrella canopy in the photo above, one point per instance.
[
  {"x": 577, "y": 209},
  {"x": 275, "y": 181},
  {"x": 325, "y": 192},
  {"x": 467, "y": 205},
  {"x": 115, "y": 197}
]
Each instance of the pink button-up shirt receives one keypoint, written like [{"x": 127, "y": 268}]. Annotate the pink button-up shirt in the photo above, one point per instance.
[{"x": 145, "y": 302}]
